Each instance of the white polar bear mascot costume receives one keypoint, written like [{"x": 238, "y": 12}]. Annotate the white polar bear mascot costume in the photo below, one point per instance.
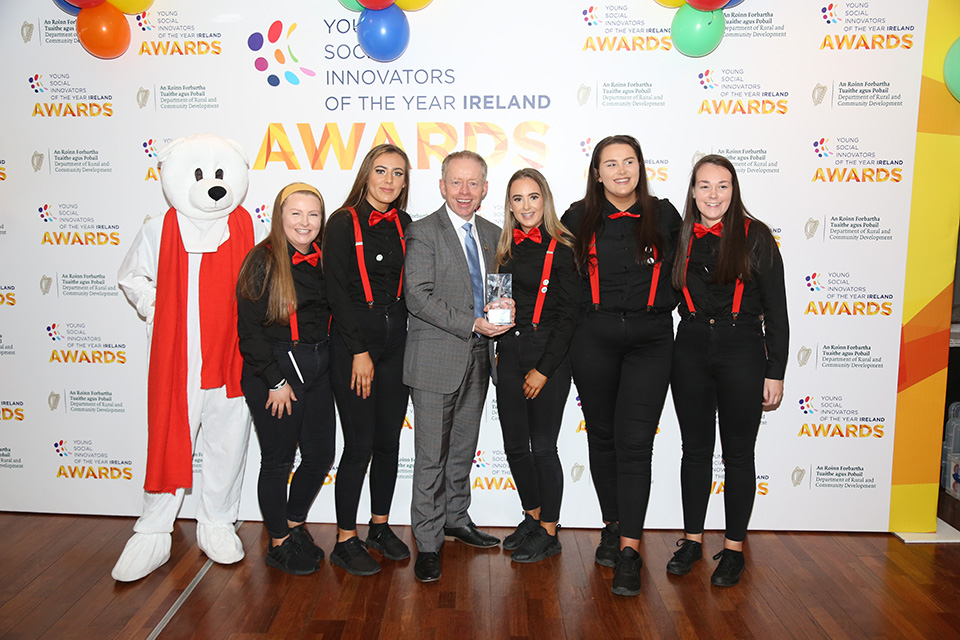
[{"x": 181, "y": 275}]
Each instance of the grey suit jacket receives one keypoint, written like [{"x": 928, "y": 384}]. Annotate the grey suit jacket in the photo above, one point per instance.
[{"x": 439, "y": 296}]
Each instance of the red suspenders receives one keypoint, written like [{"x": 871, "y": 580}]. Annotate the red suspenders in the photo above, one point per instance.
[
  {"x": 737, "y": 289},
  {"x": 544, "y": 282},
  {"x": 595, "y": 276},
  {"x": 361, "y": 262}
]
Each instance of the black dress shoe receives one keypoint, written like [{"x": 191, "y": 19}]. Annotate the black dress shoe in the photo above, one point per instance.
[
  {"x": 729, "y": 569},
  {"x": 683, "y": 558},
  {"x": 427, "y": 566},
  {"x": 469, "y": 534}
]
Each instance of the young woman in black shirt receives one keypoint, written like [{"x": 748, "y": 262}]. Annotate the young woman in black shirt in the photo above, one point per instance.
[
  {"x": 283, "y": 317},
  {"x": 532, "y": 366},
  {"x": 363, "y": 249},
  {"x": 729, "y": 357}
]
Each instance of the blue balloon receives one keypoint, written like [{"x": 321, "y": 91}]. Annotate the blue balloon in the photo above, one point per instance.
[
  {"x": 731, "y": 4},
  {"x": 66, "y": 6},
  {"x": 384, "y": 34}
]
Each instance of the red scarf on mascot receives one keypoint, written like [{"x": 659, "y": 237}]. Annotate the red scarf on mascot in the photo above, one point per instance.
[{"x": 169, "y": 448}]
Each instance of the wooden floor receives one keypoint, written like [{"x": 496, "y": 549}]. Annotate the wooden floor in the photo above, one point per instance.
[{"x": 55, "y": 583}]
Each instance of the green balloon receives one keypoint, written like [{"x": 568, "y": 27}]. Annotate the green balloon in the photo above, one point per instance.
[
  {"x": 353, "y": 5},
  {"x": 951, "y": 69},
  {"x": 696, "y": 33}
]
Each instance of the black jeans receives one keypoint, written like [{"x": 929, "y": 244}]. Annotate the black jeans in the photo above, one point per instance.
[
  {"x": 531, "y": 427},
  {"x": 718, "y": 372},
  {"x": 312, "y": 426},
  {"x": 621, "y": 366},
  {"x": 371, "y": 427}
]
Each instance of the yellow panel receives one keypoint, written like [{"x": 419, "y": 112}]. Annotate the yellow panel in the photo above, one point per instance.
[
  {"x": 919, "y": 431},
  {"x": 943, "y": 27},
  {"x": 913, "y": 508},
  {"x": 935, "y": 206}
]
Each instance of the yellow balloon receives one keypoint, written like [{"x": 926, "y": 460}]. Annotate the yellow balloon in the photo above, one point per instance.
[
  {"x": 132, "y": 7},
  {"x": 412, "y": 5},
  {"x": 672, "y": 4}
]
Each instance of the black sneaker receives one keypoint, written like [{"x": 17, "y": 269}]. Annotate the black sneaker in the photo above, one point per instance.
[
  {"x": 609, "y": 549},
  {"x": 526, "y": 527},
  {"x": 303, "y": 538},
  {"x": 381, "y": 538},
  {"x": 291, "y": 557},
  {"x": 352, "y": 556},
  {"x": 537, "y": 546},
  {"x": 626, "y": 574},
  {"x": 683, "y": 558},
  {"x": 729, "y": 569}
]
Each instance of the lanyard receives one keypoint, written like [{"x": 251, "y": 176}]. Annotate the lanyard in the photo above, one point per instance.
[
  {"x": 737, "y": 289},
  {"x": 544, "y": 282},
  {"x": 595, "y": 276},
  {"x": 361, "y": 262}
]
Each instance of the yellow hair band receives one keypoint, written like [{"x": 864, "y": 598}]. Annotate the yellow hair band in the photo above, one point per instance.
[{"x": 299, "y": 186}]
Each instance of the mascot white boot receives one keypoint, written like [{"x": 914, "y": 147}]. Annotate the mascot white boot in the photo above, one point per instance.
[{"x": 181, "y": 275}]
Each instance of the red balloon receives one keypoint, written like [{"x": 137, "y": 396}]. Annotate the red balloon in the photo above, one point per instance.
[
  {"x": 376, "y": 5},
  {"x": 103, "y": 30},
  {"x": 86, "y": 4},
  {"x": 707, "y": 5}
]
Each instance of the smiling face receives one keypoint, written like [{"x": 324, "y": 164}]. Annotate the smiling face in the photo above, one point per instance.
[
  {"x": 301, "y": 215},
  {"x": 619, "y": 172},
  {"x": 526, "y": 203},
  {"x": 463, "y": 187},
  {"x": 387, "y": 179},
  {"x": 712, "y": 191}
]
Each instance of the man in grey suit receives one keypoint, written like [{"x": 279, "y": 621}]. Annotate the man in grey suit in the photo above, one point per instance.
[{"x": 447, "y": 360}]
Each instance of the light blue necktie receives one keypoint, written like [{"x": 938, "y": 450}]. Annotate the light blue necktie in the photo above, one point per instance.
[{"x": 476, "y": 274}]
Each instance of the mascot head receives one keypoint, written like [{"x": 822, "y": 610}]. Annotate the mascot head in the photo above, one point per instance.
[{"x": 204, "y": 176}]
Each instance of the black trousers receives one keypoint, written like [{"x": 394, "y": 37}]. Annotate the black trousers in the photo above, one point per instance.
[
  {"x": 718, "y": 372},
  {"x": 371, "y": 427},
  {"x": 531, "y": 427},
  {"x": 621, "y": 366},
  {"x": 312, "y": 426}
]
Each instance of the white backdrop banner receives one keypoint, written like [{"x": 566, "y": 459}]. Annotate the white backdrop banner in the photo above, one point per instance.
[{"x": 816, "y": 104}]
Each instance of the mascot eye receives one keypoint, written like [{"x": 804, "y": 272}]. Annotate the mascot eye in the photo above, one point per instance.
[
  {"x": 199, "y": 174},
  {"x": 219, "y": 174}
]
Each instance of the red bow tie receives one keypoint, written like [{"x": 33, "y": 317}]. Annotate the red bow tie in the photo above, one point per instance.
[
  {"x": 312, "y": 258},
  {"x": 621, "y": 214},
  {"x": 700, "y": 230},
  {"x": 519, "y": 236},
  {"x": 376, "y": 216}
]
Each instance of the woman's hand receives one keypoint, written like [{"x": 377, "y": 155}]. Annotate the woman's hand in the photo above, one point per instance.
[
  {"x": 282, "y": 398},
  {"x": 361, "y": 378},
  {"x": 532, "y": 383},
  {"x": 772, "y": 392}
]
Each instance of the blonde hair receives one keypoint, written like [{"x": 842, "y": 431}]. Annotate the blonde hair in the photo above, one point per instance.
[{"x": 551, "y": 223}]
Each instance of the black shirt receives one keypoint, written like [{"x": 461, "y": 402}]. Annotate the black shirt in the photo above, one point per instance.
[
  {"x": 560, "y": 305},
  {"x": 624, "y": 284},
  {"x": 765, "y": 295},
  {"x": 313, "y": 318},
  {"x": 383, "y": 258}
]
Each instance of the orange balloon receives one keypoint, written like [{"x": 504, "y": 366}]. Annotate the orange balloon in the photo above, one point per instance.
[{"x": 103, "y": 30}]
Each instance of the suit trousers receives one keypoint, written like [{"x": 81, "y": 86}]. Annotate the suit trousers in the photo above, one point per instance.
[
  {"x": 621, "y": 366},
  {"x": 718, "y": 372},
  {"x": 531, "y": 427},
  {"x": 312, "y": 426},
  {"x": 371, "y": 427},
  {"x": 446, "y": 429}
]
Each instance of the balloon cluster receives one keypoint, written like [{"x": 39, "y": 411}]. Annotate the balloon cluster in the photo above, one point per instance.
[
  {"x": 698, "y": 26},
  {"x": 383, "y": 30},
  {"x": 101, "y": 26}
]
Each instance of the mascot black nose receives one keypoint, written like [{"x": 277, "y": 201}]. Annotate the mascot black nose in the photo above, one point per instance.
[{"x": 216, "y": 192}]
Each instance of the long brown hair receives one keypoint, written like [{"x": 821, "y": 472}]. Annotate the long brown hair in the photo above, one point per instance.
[
  {"x": 648, "y": 231},
  {"x": 358, "y": 192},
  {"x": 551, "y": 223},
  {"x": 266, "y": 269},
  {"x": 735, "y": 258}
]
